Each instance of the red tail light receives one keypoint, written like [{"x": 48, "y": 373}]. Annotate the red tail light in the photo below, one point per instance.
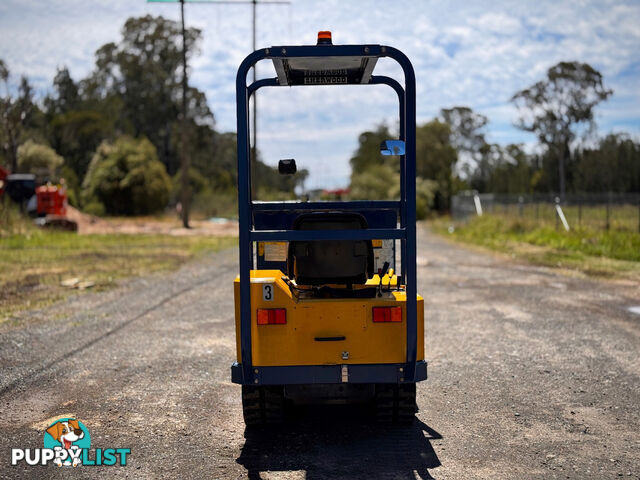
[
  {"x": 272, "y": 316},
  {"x": 387, "y": 314}
]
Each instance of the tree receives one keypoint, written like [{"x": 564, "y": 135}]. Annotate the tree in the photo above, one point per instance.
[
  {"x": 377, "y": 177},
  {"x": 467, "y": 135},
  {"x": 368, "y": 152},
  {"x": 144, "y": 71},
  {"x": 510, "y": 171},
  {"x": 75, "y": 126},
  {"x": 378, "y": 182},
  {"x": 126, "y": 178},
  {"x": 555, "y": 108},
  {"x": 76, "y": 135},
  {"x": 374, "y": 176},
  {"x": 67, "y": 95},
  {"x": 613, "y": 166},
  {"x": 38, "y": 159},
  {"x": 15, "y": 116},
  {"x": 436, "y": 159}
]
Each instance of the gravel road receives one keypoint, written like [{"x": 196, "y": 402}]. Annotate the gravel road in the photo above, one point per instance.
[{"x": 532, "y": 375}]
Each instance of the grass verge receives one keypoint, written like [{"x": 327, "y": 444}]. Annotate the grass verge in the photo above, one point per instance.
[
  {"x": 591, "y": 251},
  {"x": 34, "y": 262}
]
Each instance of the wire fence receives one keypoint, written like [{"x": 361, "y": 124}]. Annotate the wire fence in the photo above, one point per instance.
[{"x": 608, "y": 211}]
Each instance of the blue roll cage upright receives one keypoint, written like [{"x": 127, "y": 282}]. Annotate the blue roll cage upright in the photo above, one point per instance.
[{"x": 322, "y": 58}]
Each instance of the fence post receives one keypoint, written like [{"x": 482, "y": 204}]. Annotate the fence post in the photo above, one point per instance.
[
  {"x": 560, "y": 215},
  {"x": 521, "y": 205},
  {"x": 478, "y": 204},
  {"x": 557, "y": 216}
]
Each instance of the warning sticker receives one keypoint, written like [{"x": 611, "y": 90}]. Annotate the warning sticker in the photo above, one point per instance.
[
  {"x": 383, "y": 254},
  {"x": 275, "y": 251}
]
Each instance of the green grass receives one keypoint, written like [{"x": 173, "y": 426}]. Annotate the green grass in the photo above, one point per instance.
[
  {"x": 33, "y": 262},
  {"x": 591, "y": 250}
]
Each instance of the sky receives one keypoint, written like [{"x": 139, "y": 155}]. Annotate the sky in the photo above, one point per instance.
[{"x": 465, "y": 53}]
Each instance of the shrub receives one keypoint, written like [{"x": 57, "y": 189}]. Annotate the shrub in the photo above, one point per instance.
[
  {"x": 127, "y": 178},
  {"x": 378, "y": 182},
  {"x": 95, "y": 208},
  {"x": 39, "y": 159},
  {"x": 425, "y": 194},
  {"x": 381, "y": 182}
]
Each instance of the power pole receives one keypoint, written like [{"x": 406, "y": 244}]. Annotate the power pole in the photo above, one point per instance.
[
  {"x": 254, "y": 4},
  {"x": 184, "y": 161},
  {"x": 186, "y": 194}
]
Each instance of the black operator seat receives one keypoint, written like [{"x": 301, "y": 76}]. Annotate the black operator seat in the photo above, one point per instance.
[{"x": 321, "y": 262}]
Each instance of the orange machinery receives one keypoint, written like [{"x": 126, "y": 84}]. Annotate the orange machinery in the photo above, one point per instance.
[
  {"x": 52, "y": 208},
  {"x": 51, "y": 200}
]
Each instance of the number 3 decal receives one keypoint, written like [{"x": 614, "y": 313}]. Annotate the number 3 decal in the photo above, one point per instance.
[{"x": 267, "y": 292}]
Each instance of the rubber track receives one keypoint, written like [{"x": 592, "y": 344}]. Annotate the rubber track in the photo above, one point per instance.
[
  {"x": 262, "y": 405},
  {"x": 395, "y": 403}
]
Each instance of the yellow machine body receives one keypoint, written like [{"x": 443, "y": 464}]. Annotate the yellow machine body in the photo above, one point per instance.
[{"x": 311, "y": 321}]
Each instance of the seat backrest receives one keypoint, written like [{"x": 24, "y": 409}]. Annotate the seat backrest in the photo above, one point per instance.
[{"x": 320, "y": 262}]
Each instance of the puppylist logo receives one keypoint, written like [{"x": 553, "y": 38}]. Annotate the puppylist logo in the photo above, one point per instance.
[{"x": 67, "y": 442}]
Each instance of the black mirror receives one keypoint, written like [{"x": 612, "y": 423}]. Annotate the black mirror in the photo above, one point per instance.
[
  {"x": 287, "y": 166},
  {"x": 392, "y": 147}
]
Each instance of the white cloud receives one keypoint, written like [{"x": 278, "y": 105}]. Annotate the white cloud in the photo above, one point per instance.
[{"x": 464, "y": 53}]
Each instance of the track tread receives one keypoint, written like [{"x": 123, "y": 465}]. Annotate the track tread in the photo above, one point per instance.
[
  {"x": 251, "y": 410},
  {"x": 384, "y": 403},
  {"x": 396, "y": 403},
  {"x": 262, "y": 405},
  {"x": 273, "y": 405},
  {"x": 406, "y": 406}
]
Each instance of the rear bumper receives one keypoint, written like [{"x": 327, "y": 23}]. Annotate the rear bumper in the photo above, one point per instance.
[{"x": 316, "y": 374}]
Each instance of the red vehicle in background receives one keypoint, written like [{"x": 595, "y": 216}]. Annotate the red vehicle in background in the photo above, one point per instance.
[
  {"x": 3, "y": 179},
  {"x": 51, "y": 200},
  {"x": 52, "y": 207},
  {"x": 48, "y": 202}
]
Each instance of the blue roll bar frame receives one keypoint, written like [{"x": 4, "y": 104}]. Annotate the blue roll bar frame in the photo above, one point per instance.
[{"x": 406, "y": 206}]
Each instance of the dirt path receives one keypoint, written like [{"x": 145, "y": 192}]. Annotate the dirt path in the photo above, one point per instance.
[
  {"x": 89, "y": 224},
  {"x": 532, "y": 375}
]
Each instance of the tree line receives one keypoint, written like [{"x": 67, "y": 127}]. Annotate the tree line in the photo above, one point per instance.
[
  {"x": 114, "y": 136},
  {"x": 453, "y": 153}
]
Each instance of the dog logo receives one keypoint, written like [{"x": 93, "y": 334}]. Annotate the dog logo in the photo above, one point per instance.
[
  {"x": 67, "y": 442},
  {"x": 68, "y": 437}
]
